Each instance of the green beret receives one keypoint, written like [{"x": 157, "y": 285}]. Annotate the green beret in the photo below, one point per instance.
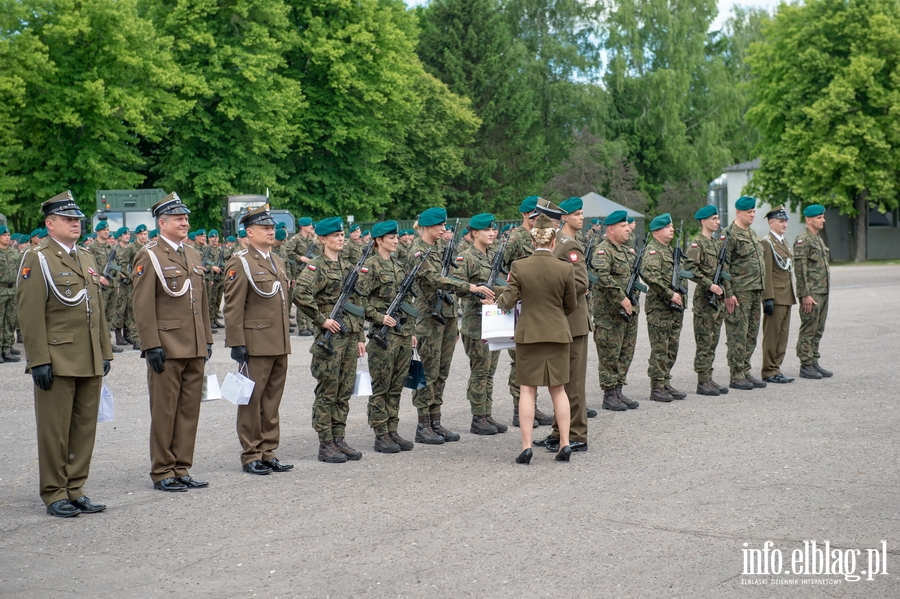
[
  {"x": 385, "y": 228},
  {"x": 353, "y": 227},
  {"x": 242, "y": 233},
  {"x": 215, "y": 233},
  {"x": 140, "y": 228},
  {"x": 199, "y": 232},
  {"x": 230, "y": 239},
  {"x": 572, "y": 204},
  {"x": 528, "y": 204},
  {"x": 814, "y": 210},
  {"x": 121, "y": 231},
  {"x": 277, "y": 227},
  {"x": 304, "y": 221},
  {"x": 615, "y": 217},
  {"x": 506, "y": 228},
  {"x": 153, "y": 233},
  {"x": 44, "y": 232},
  {"x": 481, "y": 221},
  {"x": 660, "y": 222},
  {"x": 35, "y": 233},
  {"x": 364, "y": 233},
  {"x": 630, "y": 219},
  {"x": 465, "y": 231},
  {"x": 192, "y": 236},
  {"x": 433, "y": 216},
  {"x": 595, "y": 221},
  {"x": 101, "y": 226},
  {"x": 447, "y": 227},
  {"x": 280, "y": 234},
  {"x": 745, "y": 203},
  {"x": 4, "y": 230},
  {"x": 706, "y": 212},
  {"x": 327, "y": 226}
]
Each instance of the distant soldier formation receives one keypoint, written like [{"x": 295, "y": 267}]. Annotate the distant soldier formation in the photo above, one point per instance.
[{"x": 383, "y": 295}]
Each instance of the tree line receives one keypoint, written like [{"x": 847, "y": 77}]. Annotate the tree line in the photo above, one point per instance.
[{"x": 375, "y": 109}]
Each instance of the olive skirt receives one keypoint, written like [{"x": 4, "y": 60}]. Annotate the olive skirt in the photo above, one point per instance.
[{"x": 542, "y": 364}]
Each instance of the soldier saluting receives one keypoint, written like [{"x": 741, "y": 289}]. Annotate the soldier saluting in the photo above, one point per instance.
[{"x": 68, "y": 352}]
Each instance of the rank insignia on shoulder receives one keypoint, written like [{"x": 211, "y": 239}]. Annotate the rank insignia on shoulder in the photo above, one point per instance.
[
  {"x": 26, "y": 272},
  {"x": 311, "y": 267},
  {"x": 573, "y": 257},
  {"x": 693, "y": 245},
  {"x": 231, "y": 274},
  {"x": 364, "y": 270},
  {"x": 652, "y": 252},
  {"x": 139, "y": 270}
]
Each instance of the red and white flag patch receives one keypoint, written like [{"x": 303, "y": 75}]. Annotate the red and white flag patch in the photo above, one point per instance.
[
  {"x": 459, "y": 258},
  {"x": 573, "y": 257},
  {"x": 363, "y": 270},
  {"x": 311, "y": 267},
  {"x": 601, "y": 252},
  {"x": 799, "y": 241},
  {"x": 693, "y": 245},
  {"x": 652, "y": 252}
]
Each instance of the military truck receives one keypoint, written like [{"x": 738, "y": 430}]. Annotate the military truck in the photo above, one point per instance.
[
  {"x": 238, "y": 205},
  {"x": 126, "y": 207}
]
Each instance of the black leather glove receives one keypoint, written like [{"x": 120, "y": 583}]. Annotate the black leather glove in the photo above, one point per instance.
[
  {"x": 106, "y": 365},
  {"x": 42, "y": 376},
  {"x": 209, "y": 351},
  {"x": 156, "y": 358},
  {"x": 239, "y": 354},
  {"x": 769, "y": 307}
]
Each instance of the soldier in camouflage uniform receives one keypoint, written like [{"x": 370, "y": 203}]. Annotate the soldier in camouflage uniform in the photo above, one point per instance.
[
  {"x": 9, "y": 267},
  {"x": 129, "y": 329},
  {"x": 298, "y": 251},
  {"x": 436, "y": 341},
  {"x": 475, "y": 267},
  {"x": 214, "y": 279},
  {"x": 702, "y": 259},
  {"x": 406, "y": 239},
  {"x": 743, "y": 294},
  {"x": 101, "y": 250},
  {"x": 813, "y": 279},
  {"x": 665, "y": 310},
  {"x": 614, "y": 335},
  {"x": 520, "y": 246},
  {"x": 315, "y": 294},
  {"x": 123, "y": 290},
  {"x": 388, "y": 367},
  {"x": 353, "y": 248}
]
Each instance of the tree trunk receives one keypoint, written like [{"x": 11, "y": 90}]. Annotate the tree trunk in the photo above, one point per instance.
[{"x": 862, "y": 226}]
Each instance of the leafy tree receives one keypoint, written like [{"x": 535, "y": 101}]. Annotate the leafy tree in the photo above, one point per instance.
[
  {"x": 83, "y": 85},
  {"x": 826, "y": 98}
]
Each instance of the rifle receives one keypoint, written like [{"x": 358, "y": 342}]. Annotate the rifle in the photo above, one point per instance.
[
  {"x": 497, "y": 268},
  {"x": 221, "y": 264},
  {"x": 634, "y": 283},
  {"x": 111, "y": 263},
  {"x": 343, "y": 303},
  {"x": 446, "y": 264},
  {"x": 720, "y": 276},
  {"x": 678, "y": 273},
  {"x": 589, "y": 259},
  {"x": 309, "y": 251},
  {"x": 398, "y": 304},
  {"x": 206, "y": 261}
]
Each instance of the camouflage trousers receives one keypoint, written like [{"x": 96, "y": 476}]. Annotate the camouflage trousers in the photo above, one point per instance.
[
  {"x": 216, "y": 293},
  {"x": 707, "y": 330},
  {"x": 125, "y": 311},
  {"x": 304, "y": 323},
  {"x": 335, "y": 375},
  {"x": 511, "y": 381},
  {"x": 615, "y": 340},
  {"x": 110, "y": 297},
  {"x": 482, "y": 366},
  {"x": 8, "y": 318},
  {"x": 436, "y": 351},
  {"x": 664, "y": 329},
  {"x": 812, "y": 326},
  {"x": 389, "y": 369},
  {"x": 742, "y": 329}
]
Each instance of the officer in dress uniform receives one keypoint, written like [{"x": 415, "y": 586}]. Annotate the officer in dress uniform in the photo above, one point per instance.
[
  {"x": 257, "y": 330},
  {"x": 171, "y": 307},
  {"x": 68, "y": 352},
  {"x": 778, "y": 297}
]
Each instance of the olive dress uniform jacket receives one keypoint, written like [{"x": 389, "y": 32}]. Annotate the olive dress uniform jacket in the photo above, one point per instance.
[
  {"x": 571, "y": 250},
  {"x": 259, "y": 323},
  {"x": 546, "y": 286},
  {"x": 779, "y": 285},
  {"x": 180, "y": 325}
]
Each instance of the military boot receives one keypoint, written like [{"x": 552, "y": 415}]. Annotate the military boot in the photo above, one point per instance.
[
  {"x": 501, "y": 428},
  {"x": 126, "y": 335},
  {"x": 629, "y": 403},
  {"x": 708, "y": 388},
  {"x": 116, "y": 349},
  {"x": 348, "y": 451},
  {"x": 758, "y": 383},
  {"x": 16, "y": 352},
  {"x": 137, "y": 345},
  {"x": 447, "y": 434},
  {"x": 541, "y": 418},
  {"x": 424, "y": 434},
  {"x": 403, "y": 443},
  {"x": 612, "y": 402},
  {"x": 384, "y": 444},
  {"x": 822, "y": 371},
  {"x": 480, "y": 426},
  {"x": 120, "y": 340},
  {"x": 328, "y": 452},
  {"x": 660, "y": 394},
  {"x": 722, "y": 389},
  {"x": 675, "y": 393},
  {"x": 8, "y": 357},
  {"x": 808, "y": 371},
  {"x": 515, "y": 421}
]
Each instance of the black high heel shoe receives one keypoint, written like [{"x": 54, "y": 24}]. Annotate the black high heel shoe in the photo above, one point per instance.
[
  {"x": 525, "y": 457},
  {"x": 564, "y": 454}
]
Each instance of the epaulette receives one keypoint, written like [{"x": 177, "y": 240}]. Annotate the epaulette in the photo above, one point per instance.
[
  {"x": 149, "y": 245},
  {"x": 242, "y": 252}
]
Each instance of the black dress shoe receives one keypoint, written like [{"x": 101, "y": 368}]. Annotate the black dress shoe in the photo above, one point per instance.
[
  {"x": 578, "y": 445},
  {"x": 564, "y": 454},
  {"x": 277, "y": 465},
  {"x": 86, "y": 506},
  {"x": 257, "y": 467},
  {"x": 778, "y": 378},
  {"x": 62, "y": 509},
  {"x": 172, "y": 485},
  {"x": 548, "y": 440},
  {"x": 192, "y": 483},
  {"x": 591, "y": 413},
  {"x": 525, "y": 457}
]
